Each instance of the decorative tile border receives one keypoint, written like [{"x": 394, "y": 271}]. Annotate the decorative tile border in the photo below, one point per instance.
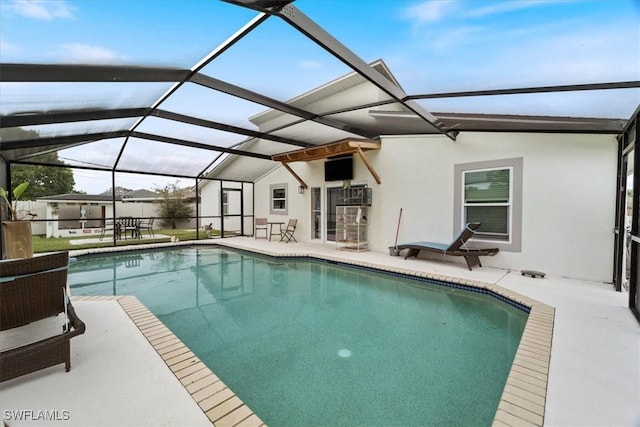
[
  {"x": 523, "y": 398},
  {"x": 215, "y": 399}
]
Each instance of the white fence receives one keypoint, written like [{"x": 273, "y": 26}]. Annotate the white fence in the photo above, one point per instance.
[
  {"x": 33, "y": 210},
  {"x": 69, "y": 216}
]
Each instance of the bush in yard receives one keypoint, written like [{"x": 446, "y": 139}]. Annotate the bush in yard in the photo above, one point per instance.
[{"x": 175, "y": 207}]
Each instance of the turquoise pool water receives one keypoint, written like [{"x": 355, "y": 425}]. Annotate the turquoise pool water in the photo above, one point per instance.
[{"x": 311, "y": 343}]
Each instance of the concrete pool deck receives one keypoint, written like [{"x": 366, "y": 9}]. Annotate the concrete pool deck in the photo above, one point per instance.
[{"x": 593, "y": 369}]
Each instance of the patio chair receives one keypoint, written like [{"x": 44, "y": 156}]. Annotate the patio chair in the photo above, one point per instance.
[
  {"x": 147, "y": 225},
  {"x": 261, "y": 225},
  {"x": 130, "y": 224},
  {"x": 286, "y": 234},
  {"x": 110, "y": 225},
  {"x": 457, "y": 248},
  {"x": 33, "y": 289}
]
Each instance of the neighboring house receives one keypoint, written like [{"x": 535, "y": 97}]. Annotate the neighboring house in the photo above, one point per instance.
[
  {"x": 81, "y": 214},
  {"x": 140, "y": 196},
  {"x": 74, "y": 214},
  {"x": 544, "y": 187}
]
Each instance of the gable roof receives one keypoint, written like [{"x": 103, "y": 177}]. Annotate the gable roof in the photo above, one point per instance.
[
  {"x": 75, "y": 197},
  {"x": 384, "y": 117},
  {"x": 106, "y": 197},
  {"x": 140, "y": 195},
  {"x": 341, "y": 84}
]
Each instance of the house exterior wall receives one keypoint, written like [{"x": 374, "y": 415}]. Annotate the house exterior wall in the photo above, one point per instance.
[
  {"x": 210, "y": 203},
  {"x": 568, "y": 196},
  {"x": 298, "y": 205},
  {"x": 210, "y": 211}
]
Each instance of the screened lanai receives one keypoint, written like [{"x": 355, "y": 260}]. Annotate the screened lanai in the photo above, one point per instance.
[
  {"x": 184, "y": 117},
  {"x": 143, "y": 101}
]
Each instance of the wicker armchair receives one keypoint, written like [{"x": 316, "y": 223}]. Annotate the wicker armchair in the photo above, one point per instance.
[{"x": 33, "y": 289}]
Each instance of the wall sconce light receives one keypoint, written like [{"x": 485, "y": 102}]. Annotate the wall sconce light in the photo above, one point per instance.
[{"x": 301, "y": 190}]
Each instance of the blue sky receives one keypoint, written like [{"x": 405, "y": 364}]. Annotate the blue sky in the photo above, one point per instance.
[{"x": 430, "y": 46}]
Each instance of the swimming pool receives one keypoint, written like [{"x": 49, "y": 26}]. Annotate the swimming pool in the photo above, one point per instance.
[{"x": 305, "y": 342}]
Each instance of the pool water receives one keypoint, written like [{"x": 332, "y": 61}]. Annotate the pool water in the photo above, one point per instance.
[{"x": 311, "y": 343}]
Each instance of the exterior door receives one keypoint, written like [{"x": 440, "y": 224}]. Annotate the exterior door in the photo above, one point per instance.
[
  {"x": 231, "y": 211},
  {"x": 632, "y": 232},
  {"x": 626, "y": 262}
]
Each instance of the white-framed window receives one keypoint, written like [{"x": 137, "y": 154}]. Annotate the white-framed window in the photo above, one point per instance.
[
  {"x": 490, "y": 192},
  {"x": 488, "y": 199},
  {"x": 278, "y": 204},
  {"x": 225, "y": 203}
]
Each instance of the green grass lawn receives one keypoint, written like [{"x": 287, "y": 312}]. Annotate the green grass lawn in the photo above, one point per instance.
[{"x": 43, "y": 244}]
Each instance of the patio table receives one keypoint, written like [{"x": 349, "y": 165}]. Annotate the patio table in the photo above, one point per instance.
[
  {"x": 271, "y": 224},
  {"x": 129, "y": 224}
]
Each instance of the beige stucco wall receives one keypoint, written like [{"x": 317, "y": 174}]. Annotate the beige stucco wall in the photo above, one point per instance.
[{"x": 568, "y": 196}]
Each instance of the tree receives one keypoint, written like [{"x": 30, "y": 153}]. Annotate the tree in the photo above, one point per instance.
[
  {"x": 43, "y": 180},
  {"x": 175, "y": 207},
  {"x": 120, "y": 191}
]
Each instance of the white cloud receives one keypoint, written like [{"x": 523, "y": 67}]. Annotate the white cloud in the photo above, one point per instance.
[
  {"x": 587, "y": 54},
  {"x": 504, "y": 54},
  {"x": 310, "y": 65},
  {"x": 45, "y": 10},
  {"x": 85, "y": 53},
  {"x": 430, "y": 11},
  {"x": 503, "y": 7},
  {"x": 6, "y": 46},
  {"x": 455, "y": 37}
]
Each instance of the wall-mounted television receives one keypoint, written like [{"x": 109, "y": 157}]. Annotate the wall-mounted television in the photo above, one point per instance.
[{"x": 338, "y": 169}]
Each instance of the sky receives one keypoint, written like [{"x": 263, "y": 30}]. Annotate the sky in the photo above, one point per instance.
[{"x": 429, "y": 46}]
